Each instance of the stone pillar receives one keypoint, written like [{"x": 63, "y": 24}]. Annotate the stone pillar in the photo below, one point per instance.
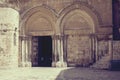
[
  {"x": 25, "y": 52},
  {"x": 92, "y": 47},
  {"x": 54, "y": 56},
  {"x": 60, "y": 62},
  {"x": 29, "y": 51},
  {"x": 9, "y": 32},
  {"x": 65, "y": 47},
  {"x": 61, "y": 49},
  {"x": 96, "y": 47},
  {"x": 110, "y": 49}
]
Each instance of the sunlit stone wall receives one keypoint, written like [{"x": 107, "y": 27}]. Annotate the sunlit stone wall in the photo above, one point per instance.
[
  {"x": 9, "y": 22},
  {"x": 79, "y": 50}
]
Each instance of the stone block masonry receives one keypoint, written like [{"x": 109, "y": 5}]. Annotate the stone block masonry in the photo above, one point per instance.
[{"x": 9, "y": 22}]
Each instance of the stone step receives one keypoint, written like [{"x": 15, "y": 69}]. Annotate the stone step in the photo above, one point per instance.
[{"x": 103, "y": 63}]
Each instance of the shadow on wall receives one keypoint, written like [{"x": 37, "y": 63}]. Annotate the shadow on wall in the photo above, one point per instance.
[{"x": 87, "y": 74}]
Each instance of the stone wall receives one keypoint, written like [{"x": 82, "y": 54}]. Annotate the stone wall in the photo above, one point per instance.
[
  {"x": 9, "y": 22},
  {"x": 103, "y": 48},
  {"x": 78, "y": 50},
  {"x": 102, "y": 8},
  {"x": 116, "y": 50},
  {"x": 53, "y": 13}
]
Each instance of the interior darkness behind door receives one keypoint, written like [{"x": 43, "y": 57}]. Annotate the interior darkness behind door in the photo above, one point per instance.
[{"x": 44, "y": 51}]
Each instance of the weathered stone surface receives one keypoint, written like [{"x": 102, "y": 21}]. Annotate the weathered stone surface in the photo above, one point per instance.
[
  {"x": 9, "y": 22},
  {"x": 59, "y": 5},
  {"x": 116, "y": 50},
  {"x": 78, "y": 19},
  {"x": 78, "y": 50},
  {"x": 103, "y": 63},
  {"x": 103, "y": 48}
]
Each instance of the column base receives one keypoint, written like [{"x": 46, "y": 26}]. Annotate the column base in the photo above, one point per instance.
[
  {"x": 53, "y": 64},
  {"x": 26, "y": 64},
  {"x": 23, "y": 64},
  {"x": 61, "y": 64}
]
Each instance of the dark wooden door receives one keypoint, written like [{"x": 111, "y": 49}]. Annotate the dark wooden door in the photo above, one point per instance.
[{"x": 44, "y": 51}]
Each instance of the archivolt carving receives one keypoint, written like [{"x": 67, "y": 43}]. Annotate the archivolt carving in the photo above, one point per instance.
[
  {"x": 78, "y": 20},
  {"x": 38, "y": 23},
  {"x": 38, "y": 19},
  {"x": 83, "y": 6}
]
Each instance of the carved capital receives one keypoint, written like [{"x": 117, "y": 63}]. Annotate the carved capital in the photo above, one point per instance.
[{"x": 23, "y": 37}]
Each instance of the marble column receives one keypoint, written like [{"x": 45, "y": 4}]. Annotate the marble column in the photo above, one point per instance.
[
  {"x": 96, "y": 47},
  {"x": 61, "y": 49},
  {"x": 54, "y": 56},
  {"x": 65, "y": 47},
  {"x": 25, "y": 50},
  {"x": 60, "y": 62},
  {"x": 92, "y": 48},
  {"x": 28, "y": 51}
]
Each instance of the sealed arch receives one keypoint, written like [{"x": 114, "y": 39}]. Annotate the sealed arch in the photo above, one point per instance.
[
  {"x": 88, "y": 12},
  {"x": 78, "y": 25},
  {"x": 79, "y": 22}
]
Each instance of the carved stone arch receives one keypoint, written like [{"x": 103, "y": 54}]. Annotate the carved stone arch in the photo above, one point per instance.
[
  {"x": 77, "y": 22},
  {"x": 36, "y": 22},
  {"x": 80, "y": 8},
  {"x": 39, "y": 7},
  {"x": 37, "y": 13}
]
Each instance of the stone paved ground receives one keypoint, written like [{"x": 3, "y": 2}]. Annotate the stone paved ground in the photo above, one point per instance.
[{"x": 58, "y": 74}]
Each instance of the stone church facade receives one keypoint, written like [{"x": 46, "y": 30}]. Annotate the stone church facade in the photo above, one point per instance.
[{"x": 57, "y": 33}]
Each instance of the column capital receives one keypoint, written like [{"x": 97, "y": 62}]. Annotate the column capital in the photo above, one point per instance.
[
  {"x": 93, "y": 35},
  {"x": 60, "y": 36},
  {"x": 24, "y": 37}
]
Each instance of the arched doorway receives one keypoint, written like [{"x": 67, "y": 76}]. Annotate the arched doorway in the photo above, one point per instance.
[
  {"x": 37, "y": 47},
  {"x": 41, "y": 30}
]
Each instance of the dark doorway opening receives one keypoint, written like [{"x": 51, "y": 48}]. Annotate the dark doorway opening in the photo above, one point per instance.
[{"x": 44, "y": 51}]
